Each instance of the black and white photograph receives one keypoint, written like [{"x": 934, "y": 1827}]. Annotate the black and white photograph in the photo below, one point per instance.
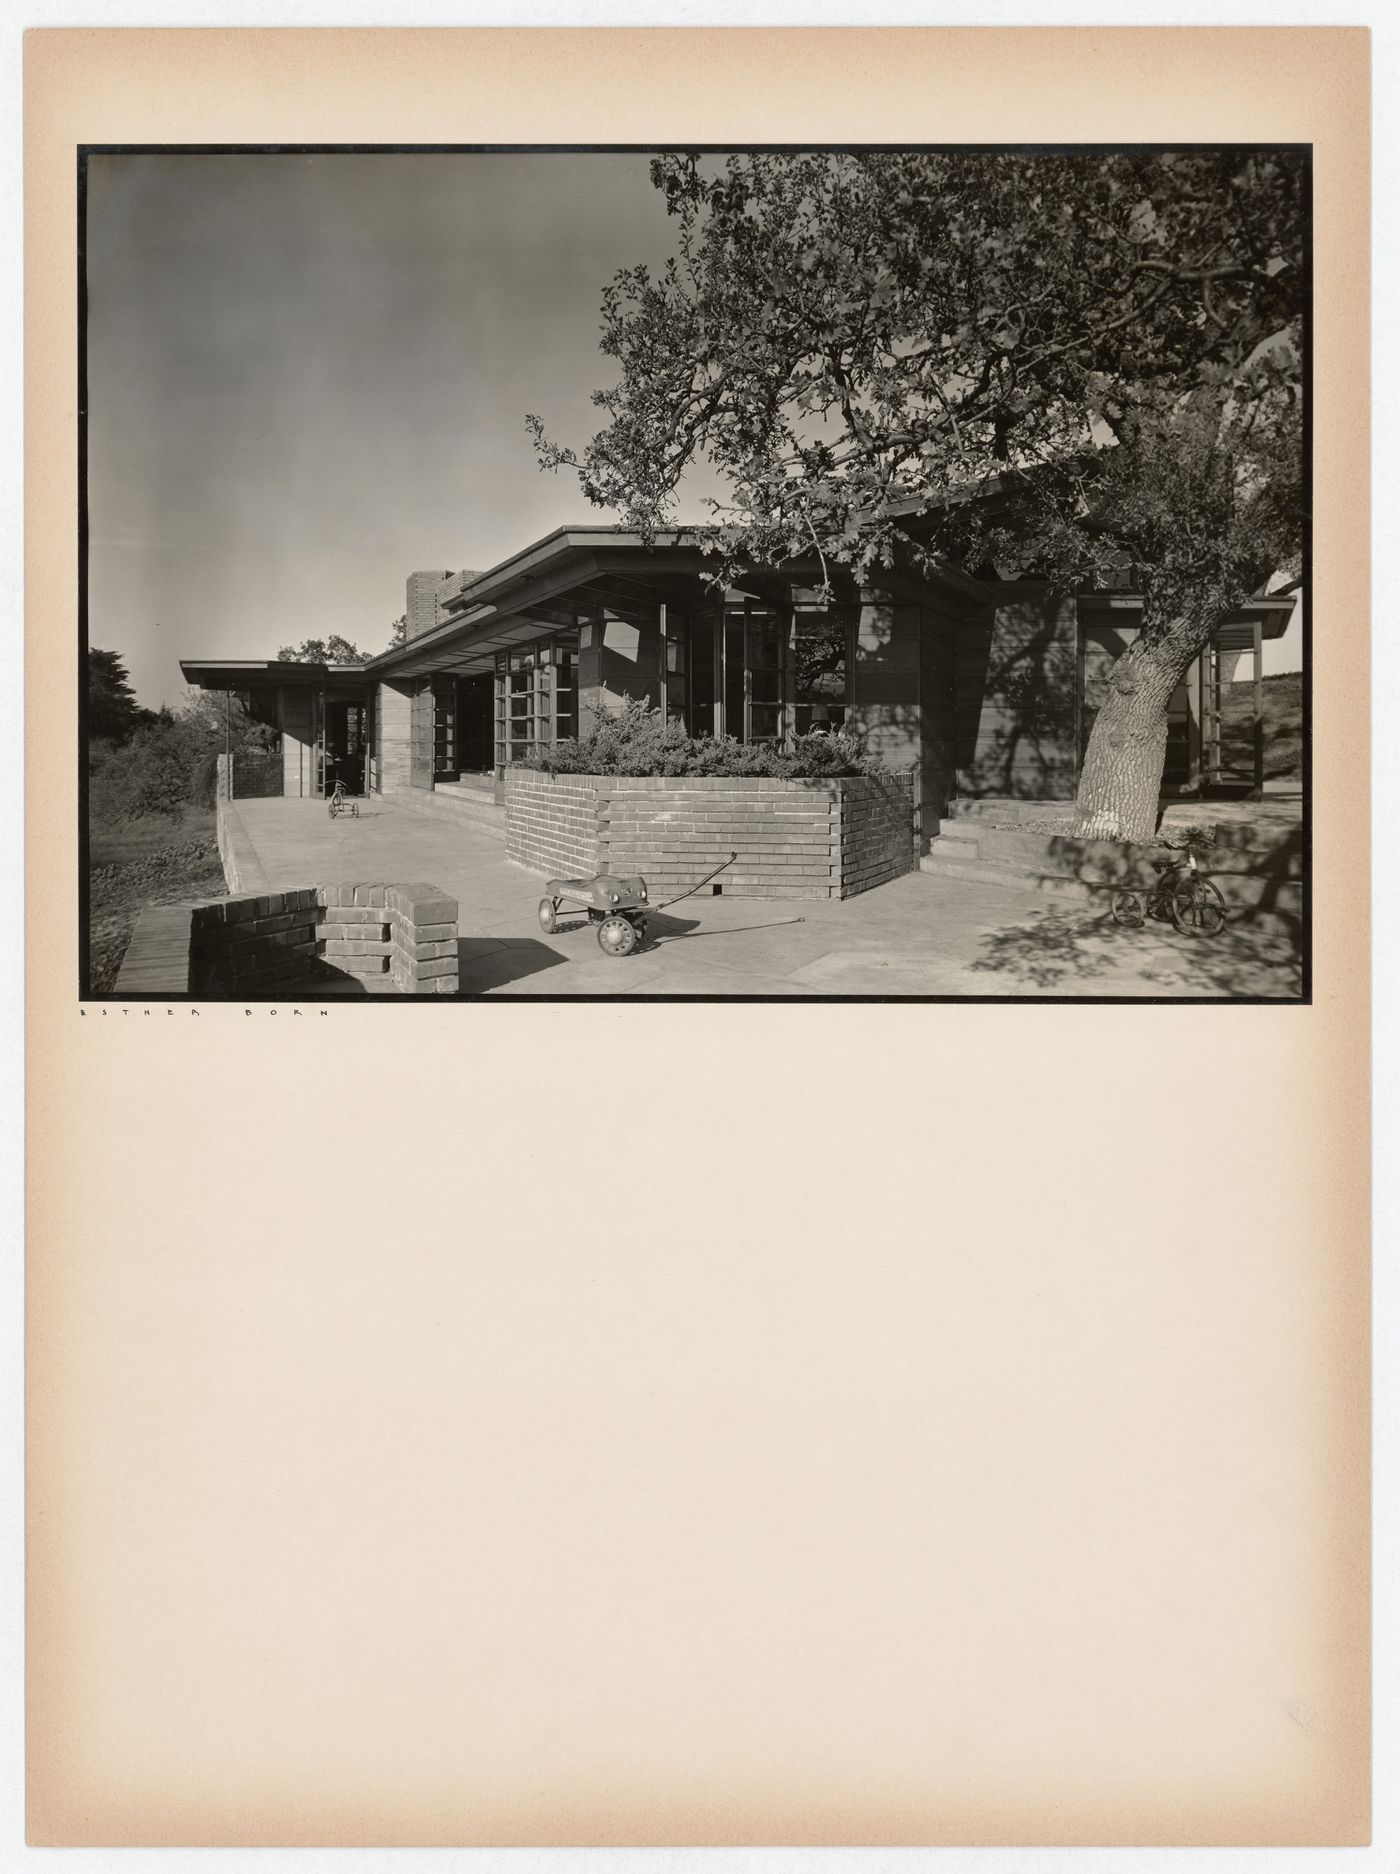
[
  {"x": 819, "y": 573},
  {"x": 787, "y": 559}
]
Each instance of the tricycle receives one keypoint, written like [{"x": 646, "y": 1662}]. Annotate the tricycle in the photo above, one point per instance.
[{"x": 1178, "y": 893}]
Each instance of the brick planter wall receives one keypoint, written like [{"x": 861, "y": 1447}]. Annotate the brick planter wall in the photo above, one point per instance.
[
  {"x": 396, "y": 939},
  {"x": 552, "y": 822},
  {"x": 794, "y": 839}
]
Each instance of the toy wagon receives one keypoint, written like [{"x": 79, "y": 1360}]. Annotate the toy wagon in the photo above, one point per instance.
[{"x": 617, "y": 906}]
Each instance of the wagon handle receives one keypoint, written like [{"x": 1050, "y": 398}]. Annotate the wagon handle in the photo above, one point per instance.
[{"x": 698, "y": 883}]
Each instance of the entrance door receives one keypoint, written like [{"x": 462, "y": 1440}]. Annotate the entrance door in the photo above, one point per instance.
[
  {"x": 340, "y": 745},
  {"x": 475, "y": 724},
  {"x": 754, "y": 673}
]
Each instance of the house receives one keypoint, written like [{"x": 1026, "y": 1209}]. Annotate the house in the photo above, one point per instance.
[{"x": 981, "y": 687}]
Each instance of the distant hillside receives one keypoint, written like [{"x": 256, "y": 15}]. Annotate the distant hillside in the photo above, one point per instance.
[{"x": 1283, "y": 727}]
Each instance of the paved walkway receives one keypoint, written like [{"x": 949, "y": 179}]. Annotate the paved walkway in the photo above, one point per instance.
[{"x": 918, "y": 936}]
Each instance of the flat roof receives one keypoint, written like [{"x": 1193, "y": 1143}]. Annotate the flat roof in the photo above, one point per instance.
[{"x": 241, "y": 673}]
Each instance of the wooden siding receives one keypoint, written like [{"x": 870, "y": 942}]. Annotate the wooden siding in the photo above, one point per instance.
[
  {"x": 1015, "y": 686},
  {"x": 421, "y": 718},
  {"x": 938, "y": 639}
]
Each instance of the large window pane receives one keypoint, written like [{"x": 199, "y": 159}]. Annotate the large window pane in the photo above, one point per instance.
[
  {"x": 734, "y": 674},
  {"x": 820, "y": 673},
  {"x": 765, "y": 640},
  {"x": 701, "y": 644}
]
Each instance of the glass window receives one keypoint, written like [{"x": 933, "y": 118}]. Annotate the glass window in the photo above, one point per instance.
[
  {"x": 820, "y": 671},
  {"x": 734, "y": 675},
  {"x": 753, "y": 673},
  {"x": 536, "y": 696},
  {"x": 677, "y": 687},
  {"x": 565, "y": 683},
  {"x": 700, "y": 639}
]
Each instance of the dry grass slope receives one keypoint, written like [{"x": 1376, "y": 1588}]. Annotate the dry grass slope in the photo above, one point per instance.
[{"x": 158, "y": 860}]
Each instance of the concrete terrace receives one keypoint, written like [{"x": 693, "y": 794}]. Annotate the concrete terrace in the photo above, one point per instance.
[{"x": 919, "y": 936}]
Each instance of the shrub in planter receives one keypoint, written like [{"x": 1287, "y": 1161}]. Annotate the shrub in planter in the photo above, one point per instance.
[{"x": 640, "y": 741}]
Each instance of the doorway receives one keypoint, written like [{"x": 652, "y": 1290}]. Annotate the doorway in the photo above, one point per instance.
[
  {"x": 341, "y": 745},
  {"x": 476, "y": 723}
]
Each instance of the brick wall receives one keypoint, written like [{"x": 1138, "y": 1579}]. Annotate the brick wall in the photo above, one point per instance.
[
  {"x": 392, "y": 939},
  {"x": 793, "y": 839},
  {"x": 422, "y": 610},
  {"x": 786, "y": 833},
  {"x": 878, "y": 840},
  {"x": 553, "y": 822}
]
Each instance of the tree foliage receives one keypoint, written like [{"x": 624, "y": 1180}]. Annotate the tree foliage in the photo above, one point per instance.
[
  {"x": 168, "y": 763},
  {"x": 113, "y": 713},
  {"x": 331, "y": 650},
  {"x": 844, "y": 334},
  {"x": 1080, "y": 367}
]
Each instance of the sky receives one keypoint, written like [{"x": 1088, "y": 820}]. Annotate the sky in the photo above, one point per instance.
[{"x": 308, "y": 376}]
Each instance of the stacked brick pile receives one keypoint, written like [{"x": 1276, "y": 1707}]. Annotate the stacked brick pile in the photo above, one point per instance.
[
  {"x": 794, "y": 839},
  {"x": 393, "y": 939},
  {"x": 423, "y": 933}
]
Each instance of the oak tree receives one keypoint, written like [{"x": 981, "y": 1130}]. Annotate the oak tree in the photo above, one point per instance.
[
  {"x": 331, "y": 650},
  {"x": 1084, "y": 368}
]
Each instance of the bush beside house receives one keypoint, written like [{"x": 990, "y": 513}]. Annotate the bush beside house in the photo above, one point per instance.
[{"x": 638, "y": 795}]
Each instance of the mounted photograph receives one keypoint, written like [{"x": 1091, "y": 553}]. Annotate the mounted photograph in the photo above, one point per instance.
[{"x": 727, "y": 574}]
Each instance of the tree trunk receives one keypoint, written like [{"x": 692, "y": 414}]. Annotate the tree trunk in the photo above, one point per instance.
[{"x": 1121, "y": 779}]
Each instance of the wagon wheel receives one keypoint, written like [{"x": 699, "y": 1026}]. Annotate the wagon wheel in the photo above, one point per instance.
[
  {"x": 549, "y": 916},
  {"x": 1198, "y": 910},
  {"x": 1128, "y": 909},
  {"x": 616, "y": 937}
]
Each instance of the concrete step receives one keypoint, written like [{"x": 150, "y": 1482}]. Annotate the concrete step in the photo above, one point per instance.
[
  {"x": 466, "y": 809},
  {"x": 1103, "y": 859},
  {"x": 1243, "y": 893},
  {"x": 471, "y": 784},
  {"x": 1233, "y": 825},
  {"x": 937, "y": 864},
  {"x": 954, "y": 846}
]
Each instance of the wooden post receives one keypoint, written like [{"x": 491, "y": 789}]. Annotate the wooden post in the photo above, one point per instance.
[
  {"x": 1258, "y": 709},
  {"x": 663, "y": 651},
  {"x": 1195, "y": 725},
  {"x": 228, "y": 743},
  {"x": 722, "y": 673}
]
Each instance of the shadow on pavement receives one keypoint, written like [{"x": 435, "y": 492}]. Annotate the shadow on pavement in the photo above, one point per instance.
[
  {"x": 676, "y": 930},
  {"x": 1061, "y": 950},
  {"x": 491, "y": 963}
]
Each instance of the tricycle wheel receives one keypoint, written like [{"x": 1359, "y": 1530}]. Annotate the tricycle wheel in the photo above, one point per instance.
[
  {"x": 616, "y": 937},
  {"x": 1128, "y": 909},
  {"x": 549, "y": 920},
  {"x": 1198, "y": 910}
]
